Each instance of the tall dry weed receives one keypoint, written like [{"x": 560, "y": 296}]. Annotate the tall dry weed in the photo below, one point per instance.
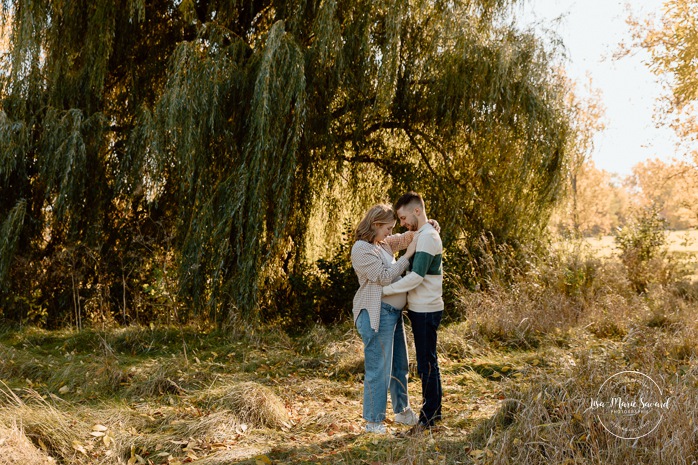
[{"x": 552, "y": 423}]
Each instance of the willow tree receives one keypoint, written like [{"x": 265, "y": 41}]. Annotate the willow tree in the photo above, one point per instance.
[{"x": 228, "y": 123}]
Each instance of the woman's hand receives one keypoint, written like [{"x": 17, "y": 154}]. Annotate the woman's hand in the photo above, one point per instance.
[
  {"x": 435, "y": 224},
  {"x": 412, "y": 247}
]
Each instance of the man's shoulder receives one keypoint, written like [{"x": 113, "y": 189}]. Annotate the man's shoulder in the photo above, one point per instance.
[
  {"x": 430, "y": 233},
  {"x": 429, "y": 241}
]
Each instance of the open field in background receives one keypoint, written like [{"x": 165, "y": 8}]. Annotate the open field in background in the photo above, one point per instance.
[
  {"x": 682, "y": 246},
  {"x": 677, "y": 242},
  {"x": 519, "y": 366}
]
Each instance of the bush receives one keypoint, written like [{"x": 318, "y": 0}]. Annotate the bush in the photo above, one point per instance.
[
  {"x": 643, "y": 250},
  {"x": 321, "y": 292}
]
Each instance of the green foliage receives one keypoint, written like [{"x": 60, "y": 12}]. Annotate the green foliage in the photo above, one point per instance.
[
  {"x": 642, "y": 249},
  {"x": 322, "y": 292},
  {"x": 9, "y": 236},
  {"x": 175, "y": 158}
]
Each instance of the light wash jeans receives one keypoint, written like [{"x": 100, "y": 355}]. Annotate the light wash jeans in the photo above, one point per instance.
[{"x": 385, "y": 361}]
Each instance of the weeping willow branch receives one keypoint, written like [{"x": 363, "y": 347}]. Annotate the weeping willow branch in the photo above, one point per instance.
[
  {"x": 9, "y": 236},
  {"x": 230, "y": 125}
]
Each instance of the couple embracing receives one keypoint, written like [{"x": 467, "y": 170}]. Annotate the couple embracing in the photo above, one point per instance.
[{"x": 383, "y": 293}]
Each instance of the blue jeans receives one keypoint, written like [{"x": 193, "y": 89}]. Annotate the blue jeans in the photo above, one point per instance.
[
  {"x": 385, "y": 361},
  {"x": 424, "y": 326}
]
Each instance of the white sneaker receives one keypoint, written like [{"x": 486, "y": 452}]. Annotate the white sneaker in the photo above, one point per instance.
[
  {"x": 378, "y": 428},
  {"x": 407, "y": 417}
]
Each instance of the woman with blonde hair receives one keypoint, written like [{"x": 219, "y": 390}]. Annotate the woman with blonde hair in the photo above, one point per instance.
[{"x": 378, "y": 318}]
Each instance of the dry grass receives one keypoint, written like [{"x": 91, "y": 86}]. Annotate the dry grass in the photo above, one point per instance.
[
  {"x": 57, "y": 432},
  {"x": 519, "y": 365},
  {"x": 251, "y": 403},
  {"x": 550, "y": 423},
  {"x": 17, "y": 449}
]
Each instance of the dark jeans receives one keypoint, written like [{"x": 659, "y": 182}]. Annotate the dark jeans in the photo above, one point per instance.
[{"x": 424, "y": 326}]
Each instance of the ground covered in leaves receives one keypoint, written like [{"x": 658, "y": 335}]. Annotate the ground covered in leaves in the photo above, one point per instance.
[
  {"x": 181, "y": 395},
  {"x": 186, "y": 395}
]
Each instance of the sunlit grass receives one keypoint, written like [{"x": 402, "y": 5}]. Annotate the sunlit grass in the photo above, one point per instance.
[{"x": 519, "y": 365}]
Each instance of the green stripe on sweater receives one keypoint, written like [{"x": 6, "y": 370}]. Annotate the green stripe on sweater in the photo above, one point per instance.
[{"x": 424, "y": 263}]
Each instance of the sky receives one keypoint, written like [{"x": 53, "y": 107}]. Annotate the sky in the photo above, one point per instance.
[{"x": 592, "y": 31}]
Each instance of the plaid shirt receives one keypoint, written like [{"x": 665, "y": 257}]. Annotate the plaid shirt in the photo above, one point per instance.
[{"x": 373, "y": 274}]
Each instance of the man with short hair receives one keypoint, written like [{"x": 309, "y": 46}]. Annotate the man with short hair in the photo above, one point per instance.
[{"x": 423, "y": 284}]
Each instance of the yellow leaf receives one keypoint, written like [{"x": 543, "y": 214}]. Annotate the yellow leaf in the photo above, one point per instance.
[
  {"x": 107, "y": 440},
  {"x": 64, "y": 390},
  {"x": 535, "y": 362},
  {"x": 132, "y": 460},
  {"x": 79, "y": 447},
  {"x": 43, "y": 445},
  {"x": 505, "y": 369},
  {"x": 262, "y": 460},
  {"x": 99, "y": 428},
  {"x": 477, "y": 453},
  {"x": 97, "y": 434}
]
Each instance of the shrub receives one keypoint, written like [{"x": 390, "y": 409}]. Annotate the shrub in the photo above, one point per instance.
[{"x": 643, "y": 250}]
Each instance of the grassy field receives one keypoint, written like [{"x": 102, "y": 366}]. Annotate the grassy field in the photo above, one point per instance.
[
  {"x": 679, "y": 242},
  {"x": 681, "y": 246},
  {"x": 519, "y": 366}
]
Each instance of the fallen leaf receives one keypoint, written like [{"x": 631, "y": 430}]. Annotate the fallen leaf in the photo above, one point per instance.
[
  {"x": 132, "y": 460},
  {"x": 97, "y": 434},
  {"x": 262, "y": 460},
  {"x": 64, "y": 390},
  {"x": 99, "y": 427},
  {"x": 79, "y": 447}
]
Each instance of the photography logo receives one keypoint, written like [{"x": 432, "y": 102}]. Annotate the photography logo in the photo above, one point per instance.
[{"x": 629, "y": 405}]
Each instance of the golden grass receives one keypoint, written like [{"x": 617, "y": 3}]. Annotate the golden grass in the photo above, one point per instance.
[
  {"x": 550, "y": 423},
  {"x": 58, "y": 434},
  {"x": 519, "y": 365},
  {"x": 252, "y": 403},
  {"x": 17, "y": 449}
]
